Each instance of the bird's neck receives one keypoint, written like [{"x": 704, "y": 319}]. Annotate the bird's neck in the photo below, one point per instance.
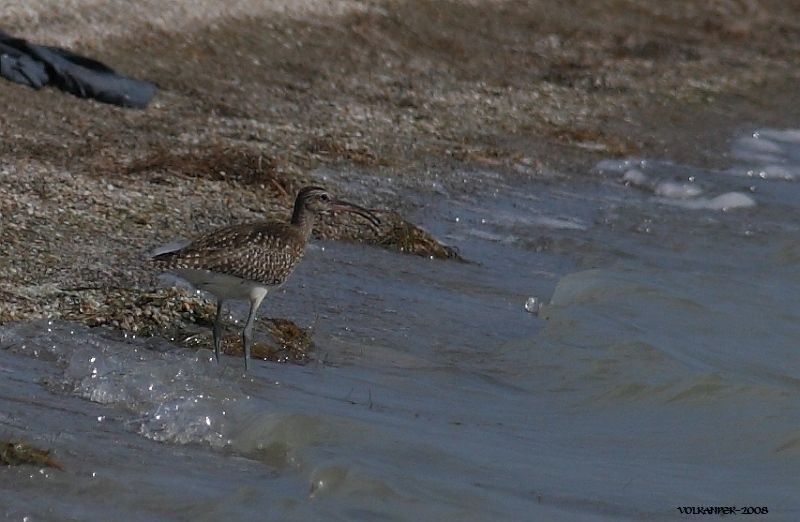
[{"x": 302, "y": 218}]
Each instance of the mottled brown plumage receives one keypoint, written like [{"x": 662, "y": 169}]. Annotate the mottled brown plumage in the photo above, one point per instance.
[
  {"x": 246, "y": 261},
  {"x": 265, "y": 253}
]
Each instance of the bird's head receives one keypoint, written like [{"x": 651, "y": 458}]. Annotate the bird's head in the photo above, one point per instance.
[{"x": 316, "y": 200}]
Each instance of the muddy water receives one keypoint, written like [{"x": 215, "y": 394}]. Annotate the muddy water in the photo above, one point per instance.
[{"x": 662, "y": 370}]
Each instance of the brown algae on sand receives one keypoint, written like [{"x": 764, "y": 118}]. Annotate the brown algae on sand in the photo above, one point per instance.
[
  {"x": 292, "y": 344},
  {"x": 394, "y": 233},
  {"x": 177, "y": 314},
  {"x": 143, "y": 312},
  {"x": 19, "y": 453},
  {"x": 216, "y": 161},
  {"x": 410, "y": 239}
]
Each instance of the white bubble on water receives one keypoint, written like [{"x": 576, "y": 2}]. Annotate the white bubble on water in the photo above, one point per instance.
[
  {"x": 636, "y": 177},
  {"x": 670, "y": 189},
  {"x": 533, "y": 305},
  {"x": 327, "y": 479}
]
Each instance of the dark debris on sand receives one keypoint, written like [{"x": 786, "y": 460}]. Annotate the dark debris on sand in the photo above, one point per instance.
[{"x": 15, "y": 453}]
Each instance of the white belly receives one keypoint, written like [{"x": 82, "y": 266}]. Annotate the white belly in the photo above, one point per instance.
[{"x": 223, "y": 286}]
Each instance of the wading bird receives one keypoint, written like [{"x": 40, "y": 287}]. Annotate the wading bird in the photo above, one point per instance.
[{"x": 246, "y": 261}]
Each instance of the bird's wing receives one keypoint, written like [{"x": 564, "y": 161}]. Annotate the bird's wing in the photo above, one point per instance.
[{"x": 259, "y": 252}]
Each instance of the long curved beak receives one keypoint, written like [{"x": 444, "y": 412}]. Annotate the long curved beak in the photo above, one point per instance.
[{"x": 344, "y": 206}]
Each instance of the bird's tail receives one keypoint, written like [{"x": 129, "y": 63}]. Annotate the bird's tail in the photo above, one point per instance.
[{"x": 162, "y": 255}]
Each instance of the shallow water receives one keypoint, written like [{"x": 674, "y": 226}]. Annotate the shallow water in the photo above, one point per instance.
[{"x": 661, "y": 371}]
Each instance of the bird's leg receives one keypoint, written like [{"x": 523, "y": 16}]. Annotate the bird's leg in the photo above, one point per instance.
[
  {"x": 218, "y": 329},
  {"x": 247, "y": 333}
]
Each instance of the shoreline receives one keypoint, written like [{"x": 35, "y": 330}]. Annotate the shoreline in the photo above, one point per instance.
[{"x": 251, "y": 106}]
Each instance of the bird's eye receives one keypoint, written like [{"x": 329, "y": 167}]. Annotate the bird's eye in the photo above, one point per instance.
[{"x": 324, "y": 197}]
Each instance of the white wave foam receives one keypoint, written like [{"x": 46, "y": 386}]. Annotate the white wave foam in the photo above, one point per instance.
[
  {"x": 723, "y": 202},
  {"x": 619, "y": 166},
  {"x": 670, "y": 189}
]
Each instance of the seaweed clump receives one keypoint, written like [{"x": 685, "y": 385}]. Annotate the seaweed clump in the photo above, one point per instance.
[
  {"x": 19, "y": 453},
  {"x": 332, "y": 149},
  {"x": 142, "y": 312},
  {"x": 174, "y": 313},
  {"x": 293, "y": 343},
  {"x": 216, "y": 162},
  {"x": 394, "y": 233},
  {"x": 406, "y": 237}
]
